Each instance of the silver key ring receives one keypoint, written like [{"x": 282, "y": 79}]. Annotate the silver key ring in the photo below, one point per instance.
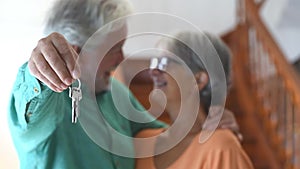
[{"x": 79, "y": 84}]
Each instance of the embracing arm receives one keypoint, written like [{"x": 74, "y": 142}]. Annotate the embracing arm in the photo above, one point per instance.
[{"x": 227, "y": 121}]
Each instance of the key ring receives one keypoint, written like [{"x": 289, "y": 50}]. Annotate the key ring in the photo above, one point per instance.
[{"x": 79, "y": 84}]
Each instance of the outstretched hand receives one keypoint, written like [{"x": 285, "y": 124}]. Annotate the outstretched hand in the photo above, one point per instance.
[{"x": 53, "y": 62}]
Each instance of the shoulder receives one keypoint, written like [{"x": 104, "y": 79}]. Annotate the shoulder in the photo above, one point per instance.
[
  {"x": 221, "y": 150},
  {"x": 116, "y": 90},
  {"x": 149, "y": 133},
  {"x": 222, "y": 139},
  {"x": 117, "y": 85}
]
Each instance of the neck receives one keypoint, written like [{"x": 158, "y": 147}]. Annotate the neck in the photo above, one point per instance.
[{"x": 195, "y": 129}]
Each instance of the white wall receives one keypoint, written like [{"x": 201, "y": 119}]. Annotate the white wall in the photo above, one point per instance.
[
  {"x": 203, "y": 13},
  {"x": 287, "y": 38},
  {"x": 20, "y": 25}
]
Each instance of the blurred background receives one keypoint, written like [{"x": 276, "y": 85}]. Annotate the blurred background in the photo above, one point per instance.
[{"x": 21, "y": 24}]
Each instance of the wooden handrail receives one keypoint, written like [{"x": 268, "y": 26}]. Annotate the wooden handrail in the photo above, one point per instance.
[
  {"x": 284, "y": 68},
  {"x": 272, "y": 83},
  {"x": 261, "y": 3}
]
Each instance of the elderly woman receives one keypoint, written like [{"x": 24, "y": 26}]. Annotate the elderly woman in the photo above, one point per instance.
[{"x": 178, "y": 74}]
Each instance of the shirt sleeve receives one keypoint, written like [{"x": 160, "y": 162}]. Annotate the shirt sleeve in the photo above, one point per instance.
[
  {"x": 154, "y": 123},
  {"x": 142, "y": 119},
  {"x": 33, "y": 109}
]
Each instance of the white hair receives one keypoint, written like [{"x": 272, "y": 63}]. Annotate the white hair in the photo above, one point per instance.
[
  {"x": 190, "y": 46},
  {"x": 77, "y": 20}
]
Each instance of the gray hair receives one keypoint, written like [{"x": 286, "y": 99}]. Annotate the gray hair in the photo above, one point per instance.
[
  {"x": 183, "y": 44},
  {"x": 77, "y": 20}
]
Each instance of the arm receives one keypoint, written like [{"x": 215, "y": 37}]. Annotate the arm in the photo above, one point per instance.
[
  {"x": 136, "y": 127},
  {"x": 227, "y": 121},
  {"x": 135, "y": 110},
  {"x": 35, "y": 108}
]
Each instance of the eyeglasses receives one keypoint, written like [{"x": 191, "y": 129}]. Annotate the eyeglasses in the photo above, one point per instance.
[
  {"x": 159, "y": 63},
  {"x": 162, "y": 63}
]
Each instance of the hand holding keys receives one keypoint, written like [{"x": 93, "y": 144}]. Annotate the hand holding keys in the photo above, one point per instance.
[{"x": 76, "y": 95}]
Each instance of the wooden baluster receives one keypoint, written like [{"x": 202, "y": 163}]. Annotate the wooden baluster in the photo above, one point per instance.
[
  {"x": 252, "y": 59},
  {"x": 297, "y": 137},
  {"x": 241, "y": 12},
  {"x": 281, "y": 116},
  {"x": 258, "y": 67},
  {"x": 289, "y": 131},
  {"x": 280, "y": 107}
]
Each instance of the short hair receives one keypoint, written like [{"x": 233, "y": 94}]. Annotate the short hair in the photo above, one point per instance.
[
  {"x": 182, "y": 44},
  {"x": 77, "y": 20}
]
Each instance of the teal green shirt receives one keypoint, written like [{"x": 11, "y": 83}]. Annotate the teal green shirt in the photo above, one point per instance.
[{"x": 44, "y": 137}]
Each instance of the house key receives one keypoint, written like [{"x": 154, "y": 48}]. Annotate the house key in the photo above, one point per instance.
[{"x": 76, "y": 95}]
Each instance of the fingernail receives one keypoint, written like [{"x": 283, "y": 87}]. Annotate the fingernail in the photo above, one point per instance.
[
  {"x": 63, "y": 86},
  {"x": 68, "y": 82},
  {"x": 58, "y": 90},
  {"x": 75, "y": 74}
]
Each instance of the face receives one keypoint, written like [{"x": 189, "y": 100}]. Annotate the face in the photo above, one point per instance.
[
  {"x": 110, "y": 61},
  {"x": 167, "y": 74}
]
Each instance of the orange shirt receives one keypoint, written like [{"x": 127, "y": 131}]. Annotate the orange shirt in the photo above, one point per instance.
[{"x": 221, "y": 151}]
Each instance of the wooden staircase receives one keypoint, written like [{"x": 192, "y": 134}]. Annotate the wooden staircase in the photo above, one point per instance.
[{"x": 267, "y": 91}]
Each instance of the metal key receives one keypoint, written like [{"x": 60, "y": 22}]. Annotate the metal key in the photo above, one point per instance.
[{"x": 76, "y": 95}]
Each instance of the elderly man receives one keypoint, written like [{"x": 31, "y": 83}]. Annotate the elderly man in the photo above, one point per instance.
[{"x": 40, "y": 107}]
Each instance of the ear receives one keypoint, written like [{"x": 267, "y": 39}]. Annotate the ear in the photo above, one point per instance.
[
  {"x": 202, "y": 79},
  {"x": 76, "y": 48}
]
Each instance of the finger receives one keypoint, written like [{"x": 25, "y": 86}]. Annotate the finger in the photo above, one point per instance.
[
  {"x": 65, "y": 51},
  {"x": 211, "y": 124},
  {"x": 240, "y": 136},
  {"x": 56, "y": 63},
  {"x": 34, "y": 71},
  {"x": 220, "y": 124},
  {"x": 44, "y": 69},
  {"x": 230, "y": 126},
  {"x": 228, "y": 121},
  {"x": 76, "y": 72},
  {"x": 228, "y": 113}
]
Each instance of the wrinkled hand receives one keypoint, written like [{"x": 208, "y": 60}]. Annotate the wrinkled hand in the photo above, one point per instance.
[
  {"x": 53, "y": 62},
  {"x": 227, "y": 121}
]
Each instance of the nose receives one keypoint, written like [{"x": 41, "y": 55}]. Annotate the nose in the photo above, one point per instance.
[
  {"x": 155, "y": 73},
  {"x": 119, "y": 57}
]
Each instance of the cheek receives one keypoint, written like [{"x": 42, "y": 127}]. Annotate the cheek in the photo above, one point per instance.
[
  {"x": 112, "y": 59},
  {"x": 178, "y": 86},
  {"x": 176, "y": 91},
  {"x": 172, "y": 86},
  {"x": 105, "y": 64}
]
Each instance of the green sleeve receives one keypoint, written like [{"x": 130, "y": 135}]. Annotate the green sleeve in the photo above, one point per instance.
[
  {"x": 33, "y": 109},
  {"x": 136, "y": 109},
  {"x": 136, "y": 127}
]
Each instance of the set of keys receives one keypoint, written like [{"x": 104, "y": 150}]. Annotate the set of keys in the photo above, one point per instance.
[{"x": 76, "y": 95}]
